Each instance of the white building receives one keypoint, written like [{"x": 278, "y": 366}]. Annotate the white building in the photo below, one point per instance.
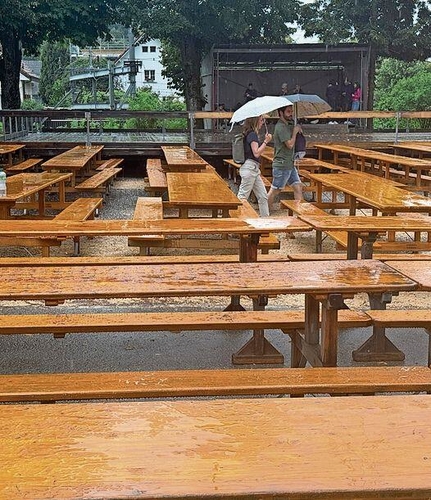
[{"x": 148, "y": 55}]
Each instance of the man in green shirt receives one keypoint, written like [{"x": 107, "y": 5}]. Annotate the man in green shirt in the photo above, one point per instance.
[{"x": 283, "y": 169}]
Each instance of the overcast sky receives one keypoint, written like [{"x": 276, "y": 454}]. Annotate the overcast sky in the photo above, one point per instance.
[{"x": 298, "y": 37}]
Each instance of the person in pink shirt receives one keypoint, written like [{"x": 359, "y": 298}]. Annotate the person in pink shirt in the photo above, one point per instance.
[{"x": 356, "y": 97}]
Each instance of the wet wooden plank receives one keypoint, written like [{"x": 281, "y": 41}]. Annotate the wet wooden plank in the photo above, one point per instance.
[
  {"x": 218, "y": 279},
  {"x": 324, "y": 448}
]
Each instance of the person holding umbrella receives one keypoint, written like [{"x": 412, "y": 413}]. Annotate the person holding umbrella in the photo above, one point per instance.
[
  {"x": 283, "y": 168},
  {"x": 250, "y": 169}
]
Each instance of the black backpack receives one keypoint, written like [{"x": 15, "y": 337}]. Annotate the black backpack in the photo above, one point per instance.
[{"x": 300, "y": 143}]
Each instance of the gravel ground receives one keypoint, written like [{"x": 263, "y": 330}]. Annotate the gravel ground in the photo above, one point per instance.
[{"x": 165, "y": 350}]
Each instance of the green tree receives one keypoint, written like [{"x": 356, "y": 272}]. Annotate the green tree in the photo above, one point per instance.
[
  {"x": 399, "y": 29},
  {"x": 190, "y": 27},
  {"x": 409, "y": 93},
  {"x": 24, "y": 25},
  {"x": 54, "y": 76},
  {"x": 146, "y": 100}
]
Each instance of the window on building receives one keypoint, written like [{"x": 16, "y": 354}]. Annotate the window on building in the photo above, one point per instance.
[
  {"x": 152, "y": 48},
  {"x": 144, "y": 48},
  {"x": 150, "y": 75}
]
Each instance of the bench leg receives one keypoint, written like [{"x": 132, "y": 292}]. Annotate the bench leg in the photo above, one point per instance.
[
  {"x": 378, "y": 347},
  {"x": 258, "y": 350},
  {"x": 235, "y": 304},
  {"x": 76, "y": 246}
]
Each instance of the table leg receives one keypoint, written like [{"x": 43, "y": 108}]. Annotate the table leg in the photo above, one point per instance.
[
  {"x": 352, "y": 246},
  {"x": 247, "y": 253},
  {"x": 378, "y": 347},
  {"x": 5, "y": 211},
  {"x": 329, "y": 333},
  {"x": 367, "y": 245},
  {"x": 62, "y": 193},
  {"x": 305, "y": 348},
  {"x": 258, "y": 350},
  {"x": 184, "y": 213},
  {"x": 41, "y": 202}
]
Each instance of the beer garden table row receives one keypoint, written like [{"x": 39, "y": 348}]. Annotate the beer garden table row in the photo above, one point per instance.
[
  {"x": 384, "y": 161},
  {"x": 324, "y": 287}
]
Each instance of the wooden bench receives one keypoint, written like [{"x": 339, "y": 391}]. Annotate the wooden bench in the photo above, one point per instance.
[
  {"x": 24, "y": 166},
  {"x": 151, "y": 208},
  {"x": 156, "y": 177},
  {"x": 100, "y": 182},
  {"x": 132, "y": 260},
  {"x": 306, "y": 208},
  {"x": 79, "y": 210},
  {"x": 403, "y": 318},
  {"x": 147, "y": 208},
  {"x": 261, "y": 448},
  {"x": 226, "y": 382},
  {"x": 110, "y": 163}
]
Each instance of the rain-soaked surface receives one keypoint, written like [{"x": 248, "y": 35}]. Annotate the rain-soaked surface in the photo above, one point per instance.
[{"x": 259, "y": 448}]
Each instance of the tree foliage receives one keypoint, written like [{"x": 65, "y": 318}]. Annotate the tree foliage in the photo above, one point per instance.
[
  {"x": 54, "y": 76},
  {"x": 190, "y": 27},
  {"x": 146, "y": 100},
  {"x": 412, "y": 92},
  {"x": 25, "y": 25},
  {"x": 399, "y": 29}
]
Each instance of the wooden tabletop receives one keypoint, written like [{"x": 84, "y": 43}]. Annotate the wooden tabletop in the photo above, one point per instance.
[
  {"x": 73, "y": 159},
  {"x": 122, "y": 227},
  {"x": 10, "y": 148},
  {"x": 424, "y": 164},
  {"x": 24, "y": 184},
  {"x": 413, "y": 147},
  {"x": 182, "y": 157},
  {"x": 367, "y": 224},
  {"x": 375, "y": 192},
  {"x": 419, "y": 271},
  {"x": 222, "y": 279},
  {"x": 321, "y": 448},
  {"x": 200, "y": 190}
]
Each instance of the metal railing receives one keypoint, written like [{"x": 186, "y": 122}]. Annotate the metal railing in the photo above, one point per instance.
[{"x": 20, "y": 123}]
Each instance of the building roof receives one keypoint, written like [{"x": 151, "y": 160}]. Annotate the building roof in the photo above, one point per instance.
[{"x": 285, "y": 56}]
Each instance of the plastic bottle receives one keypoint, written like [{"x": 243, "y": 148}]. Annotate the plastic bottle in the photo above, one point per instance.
[{"x": 2, "y": 182}]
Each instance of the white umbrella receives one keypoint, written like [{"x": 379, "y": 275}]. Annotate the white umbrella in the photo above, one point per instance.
[{"x": 259, "y": 106}]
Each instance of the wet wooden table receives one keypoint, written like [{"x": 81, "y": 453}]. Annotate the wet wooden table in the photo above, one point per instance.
[
  {"x": 321, "y": 448},
  {"x": 78, "y": 160},
  {"x": 248, "y": 230},
  {"x": 383, "y": 162},
  {"x": 31, "y": 189},
  {"x": 182, "y": 159},
  {"x": 324, "y": 287},
  {"x": 9, "y": 150},
  {"x": 377, "y": 193},
  {"x": 200, "y": 190},
  {"x": 421, "y": 150},
  {"x": 415, "y": 270},
  {"x": 367, "y": 229}
]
